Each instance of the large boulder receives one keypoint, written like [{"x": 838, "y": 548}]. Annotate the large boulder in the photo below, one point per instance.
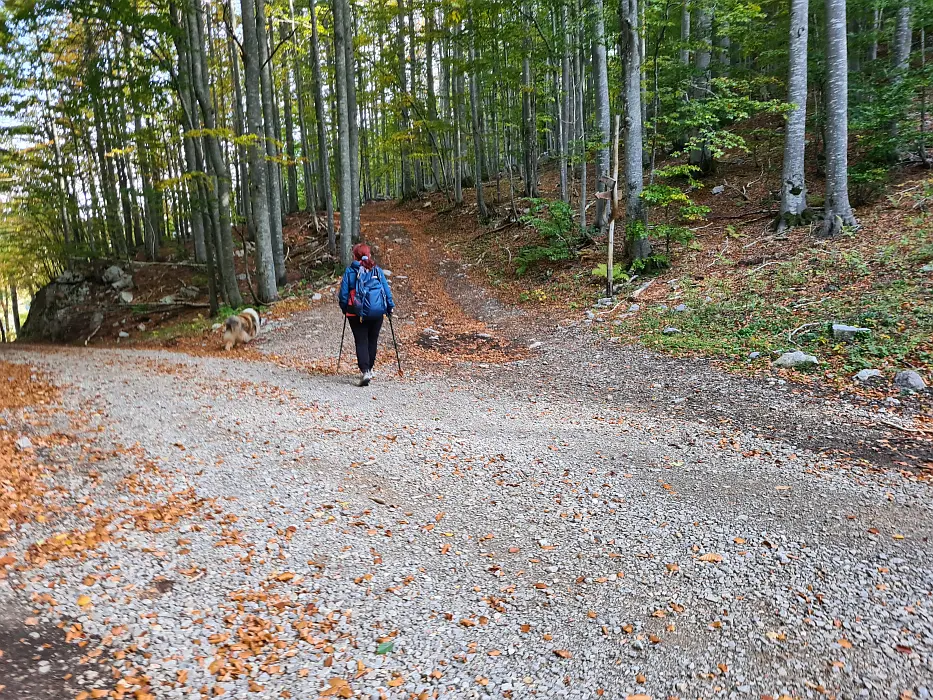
[
  {"x": 56, "y": 313},
  {"x": 797, "y": 359}
]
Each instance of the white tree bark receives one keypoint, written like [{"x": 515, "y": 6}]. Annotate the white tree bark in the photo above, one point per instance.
[
  {"x": 323, "y": 156},
  {"x": 701, "y": 156},
  {"x": 636, "y": 236},
  {"x": 793, "y": 185},
  {"x": 478, "y": 145},
  {"x": 600, "y": 68},
  {"x": 258, "y": 177},
  {"x": 685, "y": 33},
  {"x": 838, "y": 211},
  {"x": 902, "y": 41},
  {"x": 566, "y": 89},
  {"x": 343, "y": 133}
]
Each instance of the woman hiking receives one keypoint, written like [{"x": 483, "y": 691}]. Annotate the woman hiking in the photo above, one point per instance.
[{"x": 365, "y": 298}]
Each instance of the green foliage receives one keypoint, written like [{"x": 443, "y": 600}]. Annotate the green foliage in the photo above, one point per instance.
[
  {"x": 618, "y": 272},
  {"x": 553, "y": 220}
]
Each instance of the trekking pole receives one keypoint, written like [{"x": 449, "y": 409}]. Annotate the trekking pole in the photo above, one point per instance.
[
  {"x": 395, "y": 342},
  {"x": 342, "y": 334}
]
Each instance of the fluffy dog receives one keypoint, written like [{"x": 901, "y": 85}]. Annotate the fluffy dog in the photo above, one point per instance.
[{"x": 241, "y": 329}]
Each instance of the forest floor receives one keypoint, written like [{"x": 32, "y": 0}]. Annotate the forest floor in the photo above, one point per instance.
[{"x": 531, "y": 510}]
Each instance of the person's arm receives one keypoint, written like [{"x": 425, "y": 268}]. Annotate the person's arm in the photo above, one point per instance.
[
  {"x": 385, "y": 286},
  {"x": 344, "y": 297}
]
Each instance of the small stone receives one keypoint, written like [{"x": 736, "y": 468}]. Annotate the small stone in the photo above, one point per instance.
[
  {"x": 909, "y": 380},
  {"x": 891, "y": 401},
  {"x": 242, "y": 275},
  {"x": 590, "y": 315},
  {"x": 167, "y": 299},
  {"x": 535, "y": 345},
  {"x": 848, "y": 334},
  {"x": 123, "y": 334},
  {"x": 718, "y": 189},
  {"x": 316, "y": 296},
  {"x": 680, "y": 308},
  {"x": 634, "y": 307},
  {"x": 670, "y": 330},
  {"x": 754, "y": 355},
  {"x": 23, "y": 443},
  {"x": 927, "y": 268},
  {"x": 796, "y": 360},
  {"x": 141, "y": 327},
  {"x": 605, "y": 301},
  {"x": 866, "y": 375},
  {"x": 126, "y": 297},
  {"x": 217, "y": 326}
]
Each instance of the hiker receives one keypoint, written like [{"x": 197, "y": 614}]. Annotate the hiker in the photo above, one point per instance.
[{"x": 365, "y": 298}]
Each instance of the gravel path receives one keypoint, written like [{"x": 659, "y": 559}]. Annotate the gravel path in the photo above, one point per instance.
[{"x": 479, "y": 533}]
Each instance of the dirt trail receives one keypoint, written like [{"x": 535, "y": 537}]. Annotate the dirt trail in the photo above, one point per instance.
[{"x": 510, "y": 523}]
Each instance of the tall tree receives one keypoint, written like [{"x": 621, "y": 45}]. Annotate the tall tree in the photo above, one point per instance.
[
  {"x": 793, "y": 184},
  {"x": 258, "y": 174},
  {"x": 600, "y": 68},
  {"x": 837, "y": 210},
  {"x": 343, "y": 132},
  {"x": 323, "y": 158},
  {"x": 639, "y": 247}
]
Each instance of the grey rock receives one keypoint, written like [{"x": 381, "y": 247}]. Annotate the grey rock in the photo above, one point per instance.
[
  {"x": 23, "y": 443},
  {"x": 891, "y": 401},
  {"x": 927, "y": 268},
  {"x": 188, "y": 292},
  {"x": 680, "y": 308},
  {"x": 718, "y": 189},
  {"x": 867, "y": 375},
  {"x": 670, "y": 330},
  {"x": 590, "y": 315},
  {"x": 754, "y": 355},
  {"x": 848, "y": 334},
  {"x": 170, "y": 299},
  {"x": 112, "y": 274},
  {"x": 126, "y": 297},
  {"x": 634, "y": 307},
  {"x": 909, "y": 380},
  {"x": 123, "y": 334},
  {"x": 316, "y": 296},
  {"x": 797, "y": 360},
  {"x": 605, "y": 301},
  {"x": 535, "y": 345}
]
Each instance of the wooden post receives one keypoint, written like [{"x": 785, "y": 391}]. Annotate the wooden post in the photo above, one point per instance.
[{"x": 614, "y": 206}]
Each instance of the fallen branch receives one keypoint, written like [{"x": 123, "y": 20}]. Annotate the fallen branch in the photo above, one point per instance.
[
  {"x": 904, "y": 428},
  {"x": 769, "y": 212},
  {"x": 638, "y": 292},
  {"x": 798, "y": 329}
]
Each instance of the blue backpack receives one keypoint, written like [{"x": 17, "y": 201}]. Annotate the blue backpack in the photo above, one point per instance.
[{"x": 370, "y": 298}]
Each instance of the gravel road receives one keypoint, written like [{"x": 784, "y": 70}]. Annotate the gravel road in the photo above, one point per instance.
[
  {"x": 549, "y": 547},
  {"x": 249, "y": 530}
]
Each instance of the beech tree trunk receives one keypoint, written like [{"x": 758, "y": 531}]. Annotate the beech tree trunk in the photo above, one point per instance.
[
  {"x": 274, "y": 179},
  {"x": 837, "y": 210},
  {"x": 793, "y": 185},
  {"x": 323, "y": 157},
  {"x": 478, "y": 146},
  {"x": 639, "y": 247},
  {"x": 600, "y": 67},
  {"x": 258, "y": 173},
  {"x": 343, "y": 133}
]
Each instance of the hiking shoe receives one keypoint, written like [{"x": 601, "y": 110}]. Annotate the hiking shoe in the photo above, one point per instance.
[{"x": 366, "y": 378}]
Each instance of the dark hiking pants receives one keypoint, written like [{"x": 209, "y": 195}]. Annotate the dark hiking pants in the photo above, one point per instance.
[{"x": 366, "y": 336}]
